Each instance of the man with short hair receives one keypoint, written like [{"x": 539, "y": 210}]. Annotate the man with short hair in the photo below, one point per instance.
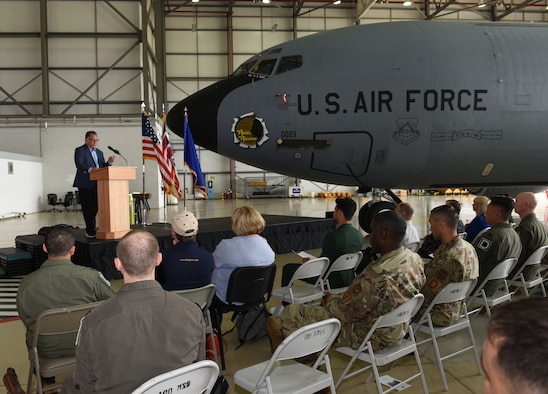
[
  {"x": 516, "y": 348},
  {"x": 498, "y": 243},
  {"x": 411, "y": 234},
  {"x": 344, "y": 239},
  {"x": 88, "y": 159},
  {"x": 57, "y": 284},
  {"x": 454, "y": 261},
  {"x": 396, "y": 277},
  {"x": 531, "y": 232},
  {"x": 139, "y": 333},
  {"x": 185, "y": 265}
]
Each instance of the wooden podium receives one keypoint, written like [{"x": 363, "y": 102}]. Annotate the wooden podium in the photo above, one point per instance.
[{"x": 113, "y": 199}]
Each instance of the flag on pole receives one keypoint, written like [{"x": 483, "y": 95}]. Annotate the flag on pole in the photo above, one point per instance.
[
  {"x": 167, "y": 152},
  {"x": 152, "y": 145},
  {"x": 191, "y": 159},
  {"x": 150, "y": 139}
]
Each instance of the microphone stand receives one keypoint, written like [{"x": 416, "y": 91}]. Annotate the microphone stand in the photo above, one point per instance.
[{"x": 127, "y": 165}]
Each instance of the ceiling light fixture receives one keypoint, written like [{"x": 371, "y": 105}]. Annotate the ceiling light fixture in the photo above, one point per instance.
[
  {"x": 266, "y": 1},
  {"x": 337, "y": 2},
  {"x": 407, "y": 3},
  {"x": 195, "y": 1},
  {"x": 481, "y": 4}
]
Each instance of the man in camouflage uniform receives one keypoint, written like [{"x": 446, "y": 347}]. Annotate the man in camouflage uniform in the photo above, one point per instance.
[
  {"x": 385, "y": 284},
  {"x": 454, "y": 261},
  {"x": 531, "y": 233},
  {"x": 498, "y": 243}
]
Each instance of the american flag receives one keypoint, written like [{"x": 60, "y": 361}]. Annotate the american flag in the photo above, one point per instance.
[
  {"x": 153, "y": 148},
  {"x": 150, "y": 139}
]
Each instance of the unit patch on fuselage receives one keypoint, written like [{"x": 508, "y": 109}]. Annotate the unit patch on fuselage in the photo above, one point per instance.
[
  {"x": 407, "y": 131},
  {"x": 249, "y": 131}
]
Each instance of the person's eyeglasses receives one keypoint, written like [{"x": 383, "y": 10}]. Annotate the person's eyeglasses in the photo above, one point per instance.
[{"x": 92, "y": 140}]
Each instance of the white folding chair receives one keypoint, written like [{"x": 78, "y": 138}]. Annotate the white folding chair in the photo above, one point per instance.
[
  {"x": 402, "y": 314},
  {"x": 196, "y": 378},
  {"x": 413, "y": 246},
  {"x": 502, "y": 294},
  {"x": 519, "y": 278},
  {"x": 452, "y": 292},
  {"x": 348, "y": 261},
  {"x": 202, "y": 297},
  {"x": 283, "y": 375},
  {"x": 52, "y": 323},
  {"x": 294, "y": 293}
]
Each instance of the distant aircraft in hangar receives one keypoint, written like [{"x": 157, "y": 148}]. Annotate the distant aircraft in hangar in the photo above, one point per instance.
[{"x": 421, "y": 104}]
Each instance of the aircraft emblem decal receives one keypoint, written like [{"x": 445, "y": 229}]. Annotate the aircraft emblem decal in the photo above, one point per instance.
[
  {"x": 439, "y": 136},
  {"x": 407, "y": 131},
  {"x": 249, "y": 131}
]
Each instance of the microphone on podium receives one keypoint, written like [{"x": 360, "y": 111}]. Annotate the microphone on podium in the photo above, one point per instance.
[
  {"x": 118, "y": 153},
  {"x": 114, "y": 150}
]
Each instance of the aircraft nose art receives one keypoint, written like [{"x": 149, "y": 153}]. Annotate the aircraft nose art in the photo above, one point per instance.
[{"x": 202, "y": 109}]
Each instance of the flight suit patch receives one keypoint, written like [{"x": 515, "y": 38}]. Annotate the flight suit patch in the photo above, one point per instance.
[{"x": 484, "y": 244}]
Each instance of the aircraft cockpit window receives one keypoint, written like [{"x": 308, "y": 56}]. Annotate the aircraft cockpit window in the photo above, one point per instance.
[
  {"x": 289, "y": 63},
  {"x": 245, "y": 67},
  {"x": 264, "y": 67}
]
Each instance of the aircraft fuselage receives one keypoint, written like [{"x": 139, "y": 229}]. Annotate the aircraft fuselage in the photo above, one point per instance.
[{"x": 399, "y": 105}]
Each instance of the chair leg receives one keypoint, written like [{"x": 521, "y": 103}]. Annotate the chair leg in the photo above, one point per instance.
[
  {"x": 421, "y": 371},
  {"x": 212, "y": 335},
  {"x": 438, "y": 355},
  {"x": 217, "y": 320},
  {"x": 374, "y": 367},
  {"x": 474, "y": 349},
  {"x": 29, "y": 381}
]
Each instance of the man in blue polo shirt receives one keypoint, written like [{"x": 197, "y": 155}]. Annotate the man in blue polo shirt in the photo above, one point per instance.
[{"x": 185, "y": 265}]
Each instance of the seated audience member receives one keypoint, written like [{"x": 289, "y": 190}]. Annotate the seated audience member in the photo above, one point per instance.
[
  {"x": 344, "y": 239},
  {"x": 411, "y": 234},
  {"x": 430, "y": 244},
  {"x": 185, "y": 265},
  {"x": 246, "y": 249},
  {"x": 454, "y": 261},
  {"x": 516, "y": 348},
  {"x": 498, "y": 243},
  {"x": 479, "y": 223},
  {"x": 57, "y": 284},
  {"x": 385, "y": 284},
  {"x": 531, "y": 232},
  {"x": 140, "y": 332}
]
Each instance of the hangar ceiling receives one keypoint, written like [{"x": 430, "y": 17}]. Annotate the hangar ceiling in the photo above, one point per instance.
[{"x": 494, "y": 10}]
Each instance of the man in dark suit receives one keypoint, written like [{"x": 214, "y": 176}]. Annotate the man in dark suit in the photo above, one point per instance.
[{"x": 87, "y": 159}]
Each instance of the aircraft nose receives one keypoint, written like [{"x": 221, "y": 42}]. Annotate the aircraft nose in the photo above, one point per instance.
[
  {"x": 202, "y": 111},
  {"x": 202, "y": 117}
]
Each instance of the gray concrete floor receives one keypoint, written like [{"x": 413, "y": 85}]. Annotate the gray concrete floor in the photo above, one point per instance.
[{"x": 461, "y": 371}]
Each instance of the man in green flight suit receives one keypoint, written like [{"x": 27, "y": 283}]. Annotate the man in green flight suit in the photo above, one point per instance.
[
  {"x": 498, "y": 243},
  {"x": 344, "y": 239}
]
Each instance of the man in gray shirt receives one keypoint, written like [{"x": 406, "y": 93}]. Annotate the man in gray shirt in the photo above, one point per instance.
[{"x": 139, "y": 333}]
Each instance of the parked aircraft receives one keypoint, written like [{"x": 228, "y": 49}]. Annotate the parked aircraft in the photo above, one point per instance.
[{"x": 422, "y": 104}]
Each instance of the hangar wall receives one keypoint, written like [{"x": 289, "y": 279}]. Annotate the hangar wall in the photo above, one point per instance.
[{"x": 87, "y": 61}]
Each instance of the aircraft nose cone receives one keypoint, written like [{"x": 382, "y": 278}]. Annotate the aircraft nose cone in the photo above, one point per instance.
[
  {"x": 203, "y": 109},
  {"x": 202, "y": 117}
]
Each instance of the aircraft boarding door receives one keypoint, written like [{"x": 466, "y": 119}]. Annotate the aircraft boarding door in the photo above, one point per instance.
[{"x": 348, "y": 153}]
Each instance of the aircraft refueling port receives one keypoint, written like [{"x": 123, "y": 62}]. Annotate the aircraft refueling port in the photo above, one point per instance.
[{"x": 487, "y": 169}]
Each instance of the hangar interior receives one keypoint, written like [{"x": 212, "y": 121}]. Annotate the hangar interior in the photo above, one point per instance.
[{"x": 72, "y": 66}]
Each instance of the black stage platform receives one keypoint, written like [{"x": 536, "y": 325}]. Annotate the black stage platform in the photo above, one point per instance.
[{"x": 284, "y": 233}]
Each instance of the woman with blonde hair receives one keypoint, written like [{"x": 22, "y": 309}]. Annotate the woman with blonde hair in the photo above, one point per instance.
[
  {"x": 479, "y": 205},
  {"x": 246, "y": 249}
]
